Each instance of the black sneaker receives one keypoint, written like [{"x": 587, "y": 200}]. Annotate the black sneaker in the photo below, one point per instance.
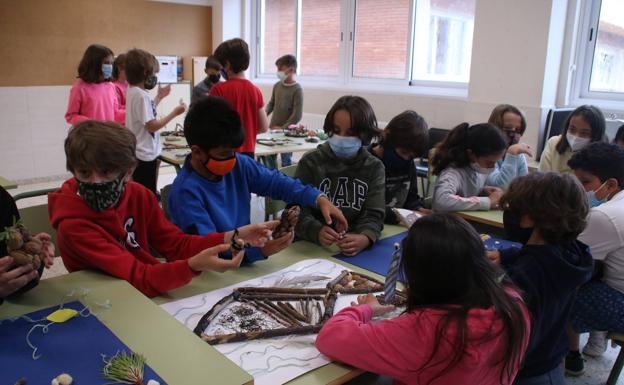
[{"x": 574, "y": 364}]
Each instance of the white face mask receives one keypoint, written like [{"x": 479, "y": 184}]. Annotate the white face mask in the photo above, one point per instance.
[
  {"x": 281, "y": 75},
  {"x": 577, "y": 143},
  {"x": 482, "y": 170}
]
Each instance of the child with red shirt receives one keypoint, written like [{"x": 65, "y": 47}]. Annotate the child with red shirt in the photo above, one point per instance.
[
  {"x": 92, "y": 96},
  {"x": 464, "y": 323},
  {"x": 244, "y": 96},
  {"x": 104, "y": 221}
]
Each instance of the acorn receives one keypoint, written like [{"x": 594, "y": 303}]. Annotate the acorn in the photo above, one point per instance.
[
  {"x": 34, "y": 246},
  {"x": 20, "y": 257}
]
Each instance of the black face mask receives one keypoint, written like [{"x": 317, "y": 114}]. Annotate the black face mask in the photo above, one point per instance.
[
  {"x": 513, "y": 230},
  {"x": 214, "y": 78},
  {"x": 151, "y": 82}
]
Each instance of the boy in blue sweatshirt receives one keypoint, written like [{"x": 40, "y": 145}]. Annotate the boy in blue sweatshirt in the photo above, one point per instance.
[
  {"x": 546, "y": 212},
  {"x": 213, "y": 190}
]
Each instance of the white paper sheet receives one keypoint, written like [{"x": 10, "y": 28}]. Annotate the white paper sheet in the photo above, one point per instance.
[{"x": 274, "y": 360}]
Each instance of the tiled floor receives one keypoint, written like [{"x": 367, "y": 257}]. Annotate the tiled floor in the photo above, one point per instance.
[{"x": 597, "y": 369}]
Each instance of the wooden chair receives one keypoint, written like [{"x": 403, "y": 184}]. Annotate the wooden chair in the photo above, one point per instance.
[
  {"x": 36, "y": 218},
  {"x": 272, "y": 207},
  {"x": 617, "y": 339}
]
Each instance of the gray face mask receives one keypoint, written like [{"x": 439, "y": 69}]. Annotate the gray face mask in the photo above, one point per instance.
[{"x": 102, "y": 196}]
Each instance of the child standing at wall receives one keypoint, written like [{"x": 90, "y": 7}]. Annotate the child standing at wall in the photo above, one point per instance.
[
  {"x": 349, "y": 175},
  {"x": 141, "y": 67},
  {"x": 464, "y": 324},
  {"x": 119, "y": 79},
  {"x": 286, "y": 102},
  {"x": 245, "y": 97},
  {"x": 92, "y": 96},
  {"x": 463, "y": 162},
  {"x": 584, "y": 125},
  {"x": 213, "y": 74},
  {"x": 404, "y": 138}
]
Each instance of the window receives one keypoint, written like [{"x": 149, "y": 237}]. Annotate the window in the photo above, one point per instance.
[
  {"x": 598, "y": 77},
  {"x": 344, "y": 41},
  {"x": 608, "y": 55}
]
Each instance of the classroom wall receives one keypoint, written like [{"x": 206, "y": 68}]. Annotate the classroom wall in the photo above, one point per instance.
[
  {"x": 41, "y": 44},
  {"x": 510, "y": 60}
]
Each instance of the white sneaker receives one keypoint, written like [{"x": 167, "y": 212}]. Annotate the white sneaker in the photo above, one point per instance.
[{"x": 596, "y": 344}]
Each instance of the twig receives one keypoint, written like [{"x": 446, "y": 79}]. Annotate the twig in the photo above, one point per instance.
[{"x": 288, "y": 308}]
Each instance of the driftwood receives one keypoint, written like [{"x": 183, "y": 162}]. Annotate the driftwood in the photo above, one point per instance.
[{"x": 316, "y": 306}]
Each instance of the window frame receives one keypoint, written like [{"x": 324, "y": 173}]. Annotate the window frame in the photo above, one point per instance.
[
  {"x": 346, "y": 78},
  {"x": 587, "y": 36}
]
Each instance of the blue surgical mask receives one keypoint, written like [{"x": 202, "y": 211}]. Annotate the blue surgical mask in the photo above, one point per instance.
[
  {"x": 107, "y": 70},
  {"x": 592, "y": 200},
  {"x": 223, "y": 74},
  {"x": 344, "y": 146},
  {"x": 394, "y": 162}
]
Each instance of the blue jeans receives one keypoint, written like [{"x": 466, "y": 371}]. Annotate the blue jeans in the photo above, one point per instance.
[
  {"x": 286, "y": 158},
  {"x": 554, "y": 377}
]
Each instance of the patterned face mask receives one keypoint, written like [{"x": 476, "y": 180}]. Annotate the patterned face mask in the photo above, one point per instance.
[{"x": 101, "y": 196}]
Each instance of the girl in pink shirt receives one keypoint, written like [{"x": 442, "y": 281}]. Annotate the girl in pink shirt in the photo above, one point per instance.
[
  {"x": 464, "y": 322},
  {"x": 93, "y": 97},
  {"x": 119, "y": 79}
]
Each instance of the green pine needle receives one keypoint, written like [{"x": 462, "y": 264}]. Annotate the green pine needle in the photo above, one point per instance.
[{"x": 124, "y": 368}]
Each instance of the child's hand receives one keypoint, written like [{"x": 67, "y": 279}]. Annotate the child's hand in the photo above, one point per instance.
[
  {"x": 276, "y": 245},
  {"x": 48, "y": 249},
  {"x": 13, "y": 280},
  {"x": 328, "y": 236},
  {"x": 256, "y": 235},
  {"x": 163, "y": 92},
  {"x": 352, "y": 244},
  {"x": 520, "y": 148},
  {"x": 495, "y": 194},
  {"x": 209, "y": 259},
  {"x": 330, "y": 211},
  {"x": 371, "y": 300},
  {"x": 180, "y": 108},
  {"x": 494, "y": 256}
]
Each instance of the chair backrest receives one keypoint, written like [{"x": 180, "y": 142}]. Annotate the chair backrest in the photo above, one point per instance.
[
  {"x": 164, "y": 200},
  {"x": 436, "y": 135},
  {"x": 272, "y": 207},
  {"x": 554, "y": 126},
  {"x": 36, "y": 218}
]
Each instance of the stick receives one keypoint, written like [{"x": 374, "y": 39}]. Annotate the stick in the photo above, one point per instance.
[
  {"x": 276, "y": 297},
  {"x": 237, "y": 337},
  {"x": 267, "y": 310},
  {"x": 288, "y": 308},
  {"x": 290, "y": 318},
  {"x": 281, "y": 290},
  {"x": 329, "y": 308},
  {"x": 320, "y": 313},
  {"x": 303, "y": 310},
  {"x": 337, "y": 280},
  {"x": 212, "y": 313}
]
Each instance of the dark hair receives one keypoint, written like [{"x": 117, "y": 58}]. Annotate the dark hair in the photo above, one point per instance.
[
  {"x": 90, "y": 67},
  {"x": 593, "y": 116},
  {"x": 482, "y": 139},
  {"x": 619, "y": 135},
  {"x": 211, "y": 123},
  {"x": 446, "y": 268},
  {"x": 213, "y": 63},
  {"x": 407, "y": 130},
  {"x": 555, "y": 202},
  {"x": 496, "y": 117},
  {"x": 604, "y": 160},
  {"x": 100, "y": 146},
  {"x": 119, "y": 64},
  {"x": 233, "y": 51},
  {"x": 288, "y": 61},
  {"x": 139, "y": 65},
  {"x": 363, "y": 120}
]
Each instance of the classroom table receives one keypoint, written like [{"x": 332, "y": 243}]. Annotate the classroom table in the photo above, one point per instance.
[
  {"x": 173, "y": 351},
  {"x": 7, "y": 184},
  {"x": 492, "y": 218},
  {"x": 176, "y": 156}
]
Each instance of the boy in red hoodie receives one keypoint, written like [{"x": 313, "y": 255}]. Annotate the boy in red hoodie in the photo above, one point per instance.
[{"x": 106, "y": 222}]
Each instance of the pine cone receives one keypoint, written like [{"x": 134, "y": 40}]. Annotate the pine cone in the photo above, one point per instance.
[{"x": 288, "y": 221}]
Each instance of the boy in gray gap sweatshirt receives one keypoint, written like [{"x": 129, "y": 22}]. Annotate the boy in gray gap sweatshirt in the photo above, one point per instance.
[{"x": 286, "y": 104}]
